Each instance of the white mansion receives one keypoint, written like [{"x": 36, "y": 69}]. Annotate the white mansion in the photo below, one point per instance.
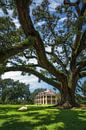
[{"x": 47, "y": 97}]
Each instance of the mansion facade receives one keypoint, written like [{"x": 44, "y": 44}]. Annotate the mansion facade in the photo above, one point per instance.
[{"x": 47, "y": 97}]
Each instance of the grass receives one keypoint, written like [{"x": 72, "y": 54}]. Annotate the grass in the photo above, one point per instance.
[{"x": 41, "y": 118}]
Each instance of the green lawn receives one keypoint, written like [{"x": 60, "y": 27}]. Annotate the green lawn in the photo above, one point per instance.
[{"x": 41, "y": 118}]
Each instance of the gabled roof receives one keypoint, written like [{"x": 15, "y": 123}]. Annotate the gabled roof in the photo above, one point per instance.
[{"x": 46, "y": 92}]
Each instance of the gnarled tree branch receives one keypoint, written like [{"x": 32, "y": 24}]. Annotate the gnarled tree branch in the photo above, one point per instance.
[
  {"x": 28, "y": 69},
  {"x": 13, "y": 50},
  {"x": 25, "y": 20}
]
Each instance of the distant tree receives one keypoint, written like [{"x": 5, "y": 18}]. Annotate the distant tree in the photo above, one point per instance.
[{"x": 14, "y": 92}]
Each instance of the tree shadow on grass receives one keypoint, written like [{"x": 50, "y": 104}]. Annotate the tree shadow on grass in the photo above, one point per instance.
[
  {"x": 63, "y": 119},
  {"x": 51, "y": 119},
  {"x": 6, "y": 108}
]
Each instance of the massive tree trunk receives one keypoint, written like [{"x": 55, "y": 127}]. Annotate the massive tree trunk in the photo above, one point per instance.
[{"x": 68, "y": 98}]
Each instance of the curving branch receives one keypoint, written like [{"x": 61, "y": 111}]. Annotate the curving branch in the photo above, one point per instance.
[
  {"x": 13, "y": 50},
  {"x": 81, "y": 64},
  {"x": 67, "y": 2},
  {"x": 27, "y": 69},
  {"x": 57, "y": 59},
  {"x": 82, "y": 44},
  {"x": 27, "y": 25},
  {"x": 82, "y": 74}
]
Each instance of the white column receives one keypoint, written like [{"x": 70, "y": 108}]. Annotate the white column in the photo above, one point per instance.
[
  {"x": 40, "y": 98},
  {"x": 35, "y": 101},
  {"x": 56, "y": 100},
  {"x": 43, "y": 99},
  {"x": 51, "y": 99},
  {"x": 46, "y": 99}
]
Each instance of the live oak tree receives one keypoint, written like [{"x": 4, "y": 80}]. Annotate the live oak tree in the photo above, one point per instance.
[{"x": 57, "y": 46}]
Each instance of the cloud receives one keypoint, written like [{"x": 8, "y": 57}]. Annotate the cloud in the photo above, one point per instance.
[{"x": 17, "y": 76}]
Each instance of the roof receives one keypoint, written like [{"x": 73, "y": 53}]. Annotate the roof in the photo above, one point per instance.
[
  {"x": 49, "y": 92},
  {"x": 46, "y": 92}
]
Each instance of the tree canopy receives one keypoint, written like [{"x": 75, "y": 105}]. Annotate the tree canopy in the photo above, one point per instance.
[{"x": 53, "y": 38}]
